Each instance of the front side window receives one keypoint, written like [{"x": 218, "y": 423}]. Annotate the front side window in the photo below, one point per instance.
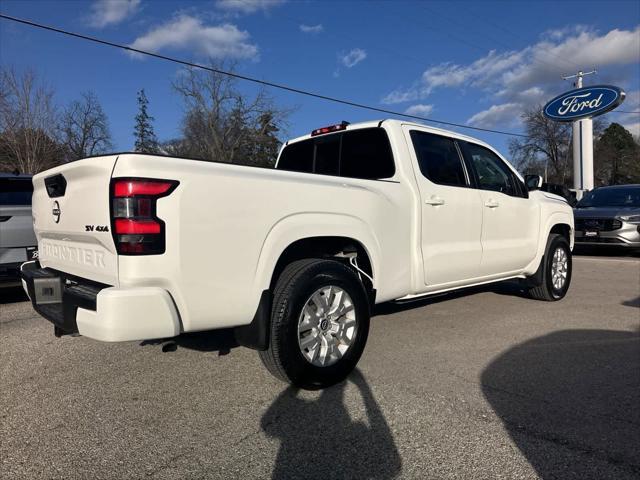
[
  {"x": 438, "y": 159},
  {"x": 491, "y": 172}
]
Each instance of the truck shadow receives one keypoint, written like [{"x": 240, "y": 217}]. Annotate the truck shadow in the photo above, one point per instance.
[
  {"x": 12, "y": 295},
  {"x": 221, "y": 341},
  {"x": 570, "y": 402},
  {"x": 318, "y": 438},
  {"x": 606, "y": 251},
  {"x": 634, "y": 302}
]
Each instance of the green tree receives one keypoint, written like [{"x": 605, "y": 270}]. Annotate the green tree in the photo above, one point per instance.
[
  {"x": 146, "y": 141},
  {"x": 616, "y": 157}
]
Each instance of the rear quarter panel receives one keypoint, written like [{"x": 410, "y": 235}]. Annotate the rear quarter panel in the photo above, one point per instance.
[{"x": 226, "y": 226}]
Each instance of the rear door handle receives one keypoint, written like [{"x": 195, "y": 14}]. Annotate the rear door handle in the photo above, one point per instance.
[
  {"x": 491, "y": 203},
  {"x": 434, "y": 200}
]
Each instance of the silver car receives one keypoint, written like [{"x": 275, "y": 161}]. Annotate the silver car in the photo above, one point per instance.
[
  {"x": 17, "y": 240},
  {"x": 609, "y": 216}
]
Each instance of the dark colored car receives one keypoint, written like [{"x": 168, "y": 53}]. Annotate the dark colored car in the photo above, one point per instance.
[
  {"x": 609, "y": 216},
  {"x": 17, "y": 240},
  {"x": 561, "y": 191}
]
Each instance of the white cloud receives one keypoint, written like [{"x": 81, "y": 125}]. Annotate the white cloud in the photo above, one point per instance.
[
  {"x": 311, "y": 28},
  {"x": 504, "y": 114},
  {"x": 110, "y": 12},
  {"x": 401, "y": 96},
  {"x": 352, "y": 58},
  {"x": 630, "y": 121},
  {"x": 419, "y": 109},
  {"x": 634, "y": 128},
  {"x": 188, "y": 33},
  {"x": 519, "y": 79},
  {"x": 248, "y": 6}
]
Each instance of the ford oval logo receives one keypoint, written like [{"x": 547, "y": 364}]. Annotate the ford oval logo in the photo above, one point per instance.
[
  {"x": 56, "y": 211},
  {"x": 583, "y": 103}
]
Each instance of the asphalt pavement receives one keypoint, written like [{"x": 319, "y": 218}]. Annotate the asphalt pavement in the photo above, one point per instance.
[{"x": 483, "y": 383}]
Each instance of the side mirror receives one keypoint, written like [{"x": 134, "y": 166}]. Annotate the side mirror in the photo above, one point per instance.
[{"x": 533, "y": 182}]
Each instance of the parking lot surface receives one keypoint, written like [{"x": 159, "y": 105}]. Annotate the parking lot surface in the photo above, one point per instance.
[{"x": 485, "y": 383}]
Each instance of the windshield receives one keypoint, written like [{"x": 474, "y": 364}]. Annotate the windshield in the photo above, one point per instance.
[{"x": 611, "y": 197}]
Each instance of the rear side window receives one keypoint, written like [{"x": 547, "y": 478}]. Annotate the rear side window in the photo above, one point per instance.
[
  {"x": 491, "y": 172},
  {"x": 364, "y": 153},
  {"x": 438, "y": 159},
  {"x": 14, "y": 191}
]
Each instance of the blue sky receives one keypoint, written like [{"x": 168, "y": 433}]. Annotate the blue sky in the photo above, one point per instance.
[{"x": 475, "y": 63}]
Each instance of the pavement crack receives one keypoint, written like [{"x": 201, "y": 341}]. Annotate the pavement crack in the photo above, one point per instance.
[{"x": 168, "y": 463}]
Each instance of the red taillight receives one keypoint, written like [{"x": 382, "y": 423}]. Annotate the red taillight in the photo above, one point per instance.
[
  {"x": 125, "y": 226},
  {"x": 132, "y": 188},
  {"x": 136, "y": 228}
]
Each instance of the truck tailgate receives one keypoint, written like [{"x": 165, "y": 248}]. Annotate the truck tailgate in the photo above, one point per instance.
[{"x": 72, "y": 219}]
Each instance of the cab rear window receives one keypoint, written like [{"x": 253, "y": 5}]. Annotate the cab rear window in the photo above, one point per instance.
[
  {"x": 15, "y": 191},
  {"x": 364, "y": 153}
]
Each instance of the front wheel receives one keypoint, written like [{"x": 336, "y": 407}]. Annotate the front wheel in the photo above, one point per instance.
[
  {"x": 319, "y": 324},
  {"x": 554, "y": 271}
]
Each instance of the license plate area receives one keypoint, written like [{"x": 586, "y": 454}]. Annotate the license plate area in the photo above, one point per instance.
[
  {"x": 591, "y": 233},
  {"x": 47, "y": 290}
]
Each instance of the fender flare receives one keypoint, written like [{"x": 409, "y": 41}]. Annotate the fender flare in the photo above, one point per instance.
[
  {"x": 283, "y": 234},
  {"x": 555, "y": 218},
  {"x": 308, "y": 225}
]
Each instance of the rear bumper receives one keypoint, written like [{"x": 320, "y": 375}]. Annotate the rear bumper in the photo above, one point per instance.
[{"x": 101, "y": 312}]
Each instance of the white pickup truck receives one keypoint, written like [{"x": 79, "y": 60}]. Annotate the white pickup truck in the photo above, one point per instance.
[{"x": 135, "y": 246}]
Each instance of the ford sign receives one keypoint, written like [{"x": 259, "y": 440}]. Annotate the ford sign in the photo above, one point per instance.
[{"x": 583, "y": 103}]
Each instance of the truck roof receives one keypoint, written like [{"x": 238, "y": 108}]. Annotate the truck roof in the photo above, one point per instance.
[{"x": 378, "y": 123}]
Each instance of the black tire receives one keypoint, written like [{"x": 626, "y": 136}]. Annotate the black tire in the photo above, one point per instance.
[
  {"x": 545, "y": 289},
  {"x": 299, "y": 280}
]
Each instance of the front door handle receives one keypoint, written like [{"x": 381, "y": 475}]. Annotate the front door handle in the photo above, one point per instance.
[
  {"x": 491, "y": 203},
  {"x": 434, "y": 200}
]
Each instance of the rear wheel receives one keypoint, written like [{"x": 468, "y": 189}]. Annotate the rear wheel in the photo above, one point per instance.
[
  {"x": 319, "y": 324},
  {"x": 554, "y": 271}
]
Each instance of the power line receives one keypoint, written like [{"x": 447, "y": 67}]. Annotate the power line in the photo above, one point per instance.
[{"x": 251, "y": 79}]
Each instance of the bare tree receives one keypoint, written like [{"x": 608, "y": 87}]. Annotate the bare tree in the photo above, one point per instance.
[
  {"x": 85, "y": 128},
  {"x": 548, "y": 148},
  {"x": 27, "y": 123},
  {"x": 224, "y": 125}
]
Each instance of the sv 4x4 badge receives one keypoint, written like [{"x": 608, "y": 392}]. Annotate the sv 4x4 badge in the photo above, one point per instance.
[{"x": 96, "y": 228}]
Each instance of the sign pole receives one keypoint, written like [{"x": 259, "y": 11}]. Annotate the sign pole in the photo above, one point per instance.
[{"x": 582, "y": 147}]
